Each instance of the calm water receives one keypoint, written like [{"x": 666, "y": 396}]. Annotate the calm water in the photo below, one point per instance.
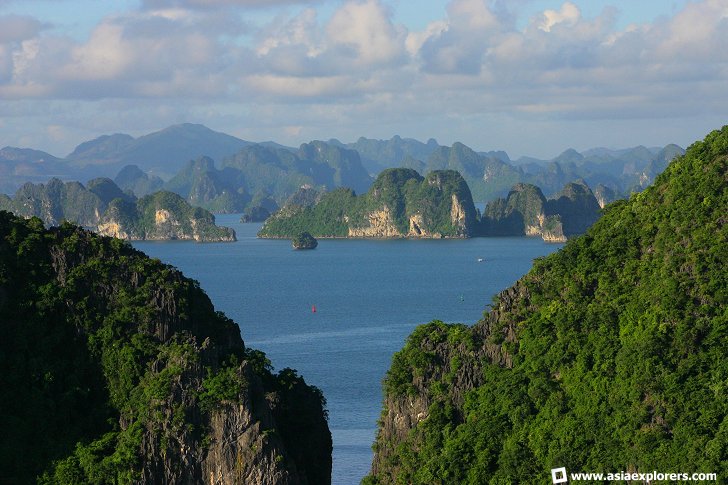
[{"x": 369, "y": 295}]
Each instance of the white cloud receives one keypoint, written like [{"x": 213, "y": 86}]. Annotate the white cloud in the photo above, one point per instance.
[
  {"x": 358, "y": 66},
  {"x": 569, "y": 15},
  {"x": 367, "y": 28}
]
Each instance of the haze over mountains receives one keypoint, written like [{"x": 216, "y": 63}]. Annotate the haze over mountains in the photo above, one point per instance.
[{"x": 226, "y": 174}]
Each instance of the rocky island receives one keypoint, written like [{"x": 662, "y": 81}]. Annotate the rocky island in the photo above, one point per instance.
[
  {"x": 608, "y": 355},
  {"x": 119, "y": 370},
  {"x": 400, "y": 203},
  {"x": 304, "y": 241},
  {"x": 102, "y": 207},
  {"x": 526, "y": 212}
]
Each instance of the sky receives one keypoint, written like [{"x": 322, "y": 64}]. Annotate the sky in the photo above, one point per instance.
[{"x": 532, "y": 77}]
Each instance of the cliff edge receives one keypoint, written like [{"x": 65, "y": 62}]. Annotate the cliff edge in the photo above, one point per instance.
[
  {"x": 117, "y": 369},
  {"x": 401, "y": 203},
  {"x": 608, "y": 355}
]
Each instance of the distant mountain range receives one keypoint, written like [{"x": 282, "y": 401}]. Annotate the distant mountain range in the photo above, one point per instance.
[{"x": 227, "y": 174}]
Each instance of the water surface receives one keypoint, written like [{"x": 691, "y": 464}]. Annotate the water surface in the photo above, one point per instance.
[{"x": 369, "y": 295}]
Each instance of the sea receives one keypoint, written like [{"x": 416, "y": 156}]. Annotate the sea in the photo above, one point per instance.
[{"x": 368, "y": 296}]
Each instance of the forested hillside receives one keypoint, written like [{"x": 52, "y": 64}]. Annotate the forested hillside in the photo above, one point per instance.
[
  {"x": 610, "y": 355},
  {"x": 115, "y": 368}
]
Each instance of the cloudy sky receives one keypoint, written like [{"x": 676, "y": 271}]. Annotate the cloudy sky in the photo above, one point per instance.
[{"x": 532, "y": 77}]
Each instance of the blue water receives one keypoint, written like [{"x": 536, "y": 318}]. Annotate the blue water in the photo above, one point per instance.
[{"x": 369, "y": 295}]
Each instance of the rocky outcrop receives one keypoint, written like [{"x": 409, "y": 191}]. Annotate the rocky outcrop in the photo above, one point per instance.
[
  {"x": 604, "y": 195},
  {"x": 582, "y": 354},
  {"x": 577, "y": 207},
  {"x": 527, "y": 212},
  {"x": 401, "y": 203},
  {"x": 102, "y": 207},
  {"x": 168, "y": 393},
  {"x": 202, "y": 185},
  {"x": 381, "y": 225},
  {"x": 418, "y": 228},
  {"x": 452, "y": 354},
  {"x": 304, "y": 241}
]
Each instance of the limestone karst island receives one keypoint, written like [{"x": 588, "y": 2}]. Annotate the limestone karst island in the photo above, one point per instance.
[{"x": 363, "y": 242}]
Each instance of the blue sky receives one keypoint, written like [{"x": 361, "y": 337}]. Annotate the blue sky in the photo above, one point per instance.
[{"x": 532, "y": 77}]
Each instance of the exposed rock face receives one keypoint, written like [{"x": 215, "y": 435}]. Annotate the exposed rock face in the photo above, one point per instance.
[
  {"x": 604, "y": 195},
  {"x": 193, "y": 404},
  {"x": 577, "y": 207},
  {"x": 381, "y": 225},
  {"x": 401, "y": 203},
  {"x": 459, "y": 216},
  {"x": 403, "y": 410},
  {"x": 418, "y": 228},
  {"x": 527, "y": 212},
  {"x": 587, "y": 352},
  {"x": 113, "y": 229},
  {"x": 102, "y": 207}
]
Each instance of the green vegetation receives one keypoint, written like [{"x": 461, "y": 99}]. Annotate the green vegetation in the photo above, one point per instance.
[
  {"x": 274, "y": 171},
  {"x": 488, "y": 176},
  {"x": 304, "y": 240},
  {"x": 112, "y": 361},
  {"x": 102, "y": 205},
  {"x": 527, "y": 211},
  {"x": 386, "y": 210},
  {"x": 609, "y": 355},
  {"x": 180, "y": 221}
]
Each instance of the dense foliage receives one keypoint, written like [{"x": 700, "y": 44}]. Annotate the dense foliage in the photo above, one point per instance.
[
  {"x": 102, "y": 202},
  {"x": 107, "y": 354},
  {"x": 527, "y": 211},
  {"x": 400, "y": 193},
  {"x": 609, "y": 356},
  {"x": 304, "y": 240}
]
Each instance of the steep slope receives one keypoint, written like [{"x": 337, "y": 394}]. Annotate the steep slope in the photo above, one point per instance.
[
  {"x": 487, "y": 175},
  {"x": 220, "y": 191},
  {"x": 133, "y": 179},
  {"x": 378, "y": 155},
  {"x": 104, "y": 208},
  {"x": 526, "y": 212},
  {"x": 576, "y": 205},
  {"x": 334, "y": 166},
  {"x": 400, "y": 203},
  {"x": 277, "y": 172},
  {"x": 117, "y": 369},
  {"x": 610, "y": 355}
]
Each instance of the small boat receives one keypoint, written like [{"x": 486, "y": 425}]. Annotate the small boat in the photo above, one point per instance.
[
  {"x": 313, "y": 308},
  {"x": 480, "y": 260}
]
